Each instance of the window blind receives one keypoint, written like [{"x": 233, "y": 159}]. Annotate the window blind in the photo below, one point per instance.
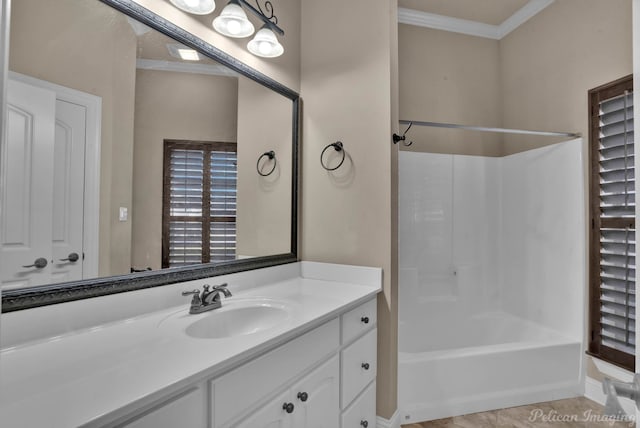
[
  {"x": 199, "y": 203},
  {"x": 224, "y": 182},
  {"x": 613, "y": 224}
]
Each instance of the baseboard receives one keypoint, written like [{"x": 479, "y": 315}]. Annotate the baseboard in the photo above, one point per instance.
[
  {"x": 593, "y": 391},
  {"x": 394, "y": 422}
]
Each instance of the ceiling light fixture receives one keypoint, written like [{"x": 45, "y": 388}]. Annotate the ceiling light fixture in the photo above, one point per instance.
[
  {"x": 197, "y": 7},
  {"x": 265, "y": 44},
  {"x": 233, "y": 22},
  {"x": 184, "y": 53}
]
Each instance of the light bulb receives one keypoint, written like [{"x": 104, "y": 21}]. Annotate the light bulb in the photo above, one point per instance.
[
  {"x": 234, "y": 27},
  {"x": 264, "y": 48},
  {"x": 197, "y": 7}
]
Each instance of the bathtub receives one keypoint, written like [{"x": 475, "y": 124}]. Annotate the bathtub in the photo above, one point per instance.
[{"x": 482, "y": 362}]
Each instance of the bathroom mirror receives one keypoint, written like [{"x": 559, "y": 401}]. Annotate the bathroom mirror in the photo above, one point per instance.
[{"x": 135, "y": 156}]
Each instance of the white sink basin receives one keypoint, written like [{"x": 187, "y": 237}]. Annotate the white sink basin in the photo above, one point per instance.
[{"x": 238, "y": 320}]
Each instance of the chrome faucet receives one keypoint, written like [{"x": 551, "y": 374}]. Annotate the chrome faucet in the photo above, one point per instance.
[{"x": 207, "y": 300}]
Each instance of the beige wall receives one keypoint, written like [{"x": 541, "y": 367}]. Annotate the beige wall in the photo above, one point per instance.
[
  {"x": 550, "y": 62},
  {"x": 98, "y": 59},
  {"x": 284, "y": 69},
  {"x": 264, "y": 203},
  {"x": 180, "y": 106},
  {"x": 346, "y": 215},
  {"x": 451, "y": 78}
]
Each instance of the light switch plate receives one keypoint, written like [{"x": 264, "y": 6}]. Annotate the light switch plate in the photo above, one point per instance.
[{"x": 124, "y": 214}]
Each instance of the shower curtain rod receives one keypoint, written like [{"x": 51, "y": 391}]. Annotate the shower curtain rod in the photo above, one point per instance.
[{"x": 485, "y": 129}]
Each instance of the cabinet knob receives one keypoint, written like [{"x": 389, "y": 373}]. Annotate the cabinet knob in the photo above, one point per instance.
[
  {"x": 365, "y": 320},
  {"x": 365, "y": 366},
  {"x": 303, "y": 396},
  {"x": 288, "y": 407},
  {"x": 365, "y": 424}
]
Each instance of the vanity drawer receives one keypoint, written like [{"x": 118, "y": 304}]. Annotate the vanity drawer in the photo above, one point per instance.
[
  {"x": 358, "y": 366},
  {"x": 238, "y": 391},
  {"x": 362, "y": 413},
  {"x": 359, "y": 320}
]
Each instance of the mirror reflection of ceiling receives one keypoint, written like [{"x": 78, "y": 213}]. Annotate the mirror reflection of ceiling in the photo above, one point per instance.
[
  {"x": 492, "y": 12},
  {"x": 152, "y": 45}
]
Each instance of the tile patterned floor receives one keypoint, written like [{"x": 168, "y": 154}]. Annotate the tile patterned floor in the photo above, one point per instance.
[{"x": 575, "y": 412}]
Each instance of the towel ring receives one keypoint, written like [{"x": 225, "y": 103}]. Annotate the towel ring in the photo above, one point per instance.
[
  {"x": 339, "y": 147},
  {"x": 272, "y": 156}
]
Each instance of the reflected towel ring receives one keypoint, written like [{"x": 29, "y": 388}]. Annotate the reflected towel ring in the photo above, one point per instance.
[
  {"x": 272, "y": 156},
  {"x": 339, "y": 147}
]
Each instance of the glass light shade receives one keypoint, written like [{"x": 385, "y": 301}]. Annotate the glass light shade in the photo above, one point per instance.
[
  {"x": 197, "y": 7},
  {"x": 233, "y": 22},
  {"x": 265, "y": 44}
]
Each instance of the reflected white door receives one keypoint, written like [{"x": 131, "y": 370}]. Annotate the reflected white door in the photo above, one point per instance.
[
  {"x": 68, "y": 190},
  {"x": 27, "y": 193},
  {"x": 42, "y": 200}
]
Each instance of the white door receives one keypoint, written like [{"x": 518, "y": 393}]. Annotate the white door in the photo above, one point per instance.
[
  {"x": 27, "y": 191},
  {"x": 42, "y": 199},
  {"x": 68, "y": 190}
]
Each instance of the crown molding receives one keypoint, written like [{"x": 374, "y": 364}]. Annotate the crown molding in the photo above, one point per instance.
[
  {"x": 447, "y": 23},
  {"x": 525, "y": 13},
  {"x": 183, "y": 67},
  {"x": 472, "y": 28}
]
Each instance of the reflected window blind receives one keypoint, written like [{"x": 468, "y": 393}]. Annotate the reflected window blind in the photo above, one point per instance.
[
  {"x": 199, "y": 202},
  {"x": 612, "y": 259}
]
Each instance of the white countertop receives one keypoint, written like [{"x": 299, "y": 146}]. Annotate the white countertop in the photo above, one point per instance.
[{"x": 90, "y": 376}]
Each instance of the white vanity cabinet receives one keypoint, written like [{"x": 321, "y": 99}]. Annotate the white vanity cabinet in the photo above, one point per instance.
[
  {"x": 335, "y": 365},
  {"x": 315, "y": 368},
  {"x": 311, "y": 403},
  {"x": 324, "y": 378}
]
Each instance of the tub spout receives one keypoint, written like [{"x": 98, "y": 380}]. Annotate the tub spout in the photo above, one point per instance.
[{"x": 614, "y": 389}]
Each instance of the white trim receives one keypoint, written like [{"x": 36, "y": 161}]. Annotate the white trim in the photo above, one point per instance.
[
  {"x": 91, "y": 215},
  {"x": 182, "y": 67},
  {"x": 447, "y": 23},
  {"x": 593, "y": 391},
  {"x": 615, "y": 372},
  {"x": 394, "y": 422},
  {"x": 525, "y": 13},
  {"x": 472, "y": 28}
]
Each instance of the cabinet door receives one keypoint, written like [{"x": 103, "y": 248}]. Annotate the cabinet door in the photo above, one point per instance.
[
  {"x": 186, "y": 411},
  {"x": 317, "y": 397},
  {"x": 271, "y": 415}
]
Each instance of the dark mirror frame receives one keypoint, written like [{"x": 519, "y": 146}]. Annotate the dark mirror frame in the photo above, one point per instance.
[{"x": 13, "y": 300}]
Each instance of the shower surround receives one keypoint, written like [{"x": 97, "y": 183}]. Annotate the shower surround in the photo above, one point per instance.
[{"x": 492, "y": 274}]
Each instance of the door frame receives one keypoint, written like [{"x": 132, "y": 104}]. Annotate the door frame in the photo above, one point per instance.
[{"x": 91, "y": 196}]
